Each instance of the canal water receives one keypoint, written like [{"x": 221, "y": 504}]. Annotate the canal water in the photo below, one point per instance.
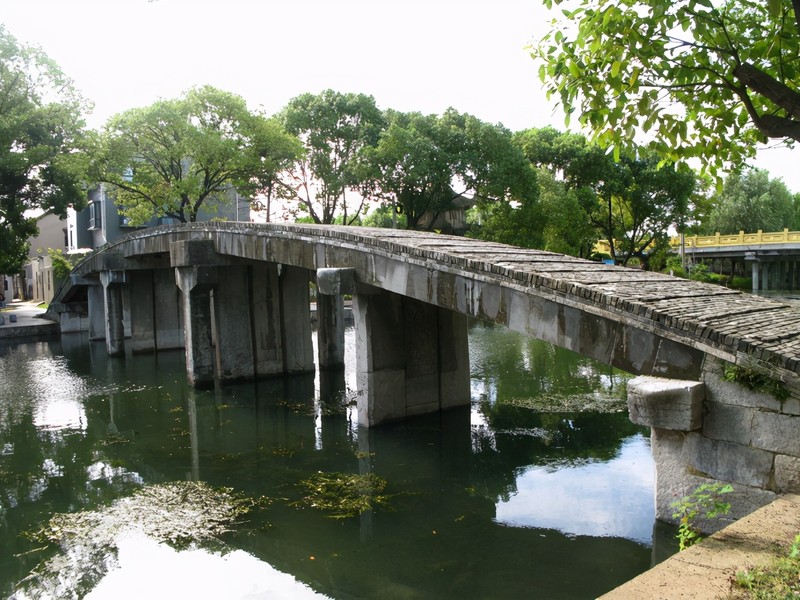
[{"x": 541, "y": 489}]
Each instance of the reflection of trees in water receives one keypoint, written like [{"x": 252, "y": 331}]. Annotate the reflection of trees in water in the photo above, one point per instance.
[
  {"x": 44, "y": 472},
  {"x": 511, "y": 365},
  {"x": 514, "y": 373}
]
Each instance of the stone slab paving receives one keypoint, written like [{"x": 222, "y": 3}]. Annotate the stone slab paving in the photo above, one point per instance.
[{"x": 705, "y": 571}]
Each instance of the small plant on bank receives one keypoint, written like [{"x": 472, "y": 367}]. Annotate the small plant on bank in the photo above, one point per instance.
[
  {"x": 779, "y": 579},
  {"x": 755, "y": 380},
  {"x": 703, "y": 503}
]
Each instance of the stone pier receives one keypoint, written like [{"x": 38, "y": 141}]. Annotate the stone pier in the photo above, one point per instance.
[
  {"x": 412, "y": 357},
  {"x": 113, "y": 282},
  {"x": 241, "y": 320}
]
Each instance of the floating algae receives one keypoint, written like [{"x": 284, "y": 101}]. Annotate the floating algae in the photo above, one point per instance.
[
  {"x": 589, "y": 402},
  {"x": 343, "y": 494},
  {"x": 182, "y": 514}
]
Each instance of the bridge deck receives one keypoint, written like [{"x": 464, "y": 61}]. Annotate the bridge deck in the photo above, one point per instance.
[
  {"x": 708, "y": 315},
  {"x": 763, "y": 328}
]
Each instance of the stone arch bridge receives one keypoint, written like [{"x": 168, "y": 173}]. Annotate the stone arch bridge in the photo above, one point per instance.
[{"x": 235, "y": 296}]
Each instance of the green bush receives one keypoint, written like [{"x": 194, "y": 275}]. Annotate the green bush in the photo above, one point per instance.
[{"x": 741, "y": 283}]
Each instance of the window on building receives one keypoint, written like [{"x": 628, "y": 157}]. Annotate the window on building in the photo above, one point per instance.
[{"x": 95, "y": 215}]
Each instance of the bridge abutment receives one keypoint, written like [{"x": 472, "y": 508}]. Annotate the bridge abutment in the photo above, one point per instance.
[
  {"x": 412, "y": 357},
  {"x": 718, "y": 431}
]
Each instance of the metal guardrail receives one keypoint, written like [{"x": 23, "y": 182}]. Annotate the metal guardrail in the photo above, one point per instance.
[{"x": 738, "y": 239}]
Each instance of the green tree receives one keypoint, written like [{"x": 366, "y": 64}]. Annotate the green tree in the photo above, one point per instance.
[
  {"x": 177, "y": 156},
  {"x": 566, "y": 229},
  {"x": 700, "y": 78},
  {"x": 41, "y": 138},
  {"x": 422, "y": 164},
  {"x": 796, "y": 218},
  {"x": 335, "y": 129},
  {"x": 518, "y": 223},
  {"x": 749, "y": 201},
  {"x": 633, "y": 201},
  {"x": 410, "y": 168},
  {"x": 384, "y": 216}
]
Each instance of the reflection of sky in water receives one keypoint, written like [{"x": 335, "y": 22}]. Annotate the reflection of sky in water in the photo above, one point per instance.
[
  {"x": 148, "y": 569},
  {"x": 60, "y": 393},
  {"x": 44, "y": 386},
  {"x": 611, "y": 498}
]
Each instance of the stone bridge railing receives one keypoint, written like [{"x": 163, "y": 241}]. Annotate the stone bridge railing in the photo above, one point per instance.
[{"x": 240, "y": 309}]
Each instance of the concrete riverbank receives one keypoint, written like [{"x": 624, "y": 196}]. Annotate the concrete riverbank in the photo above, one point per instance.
[{"x": 705, "y": 571}]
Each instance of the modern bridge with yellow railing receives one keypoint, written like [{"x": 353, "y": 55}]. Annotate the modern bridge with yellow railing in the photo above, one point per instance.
[
  {"x": 719, "y": 241},
  {"x": 772, "y": 258}
]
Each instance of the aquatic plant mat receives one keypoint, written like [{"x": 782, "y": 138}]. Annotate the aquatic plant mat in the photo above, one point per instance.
[
  {"x": 591, "y": 402},
  {"x": 343, "y": 494},
  {"x": 182, "y": 514}
]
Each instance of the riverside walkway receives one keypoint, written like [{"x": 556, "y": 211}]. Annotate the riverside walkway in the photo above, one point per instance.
[{"x": 22, "y": 319}]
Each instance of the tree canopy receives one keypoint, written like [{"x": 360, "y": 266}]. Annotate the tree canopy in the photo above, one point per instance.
[
  {"x": 701, "y": 78},
  {"x": 41, "y": 135},
  {"x": 422, "y": 164},
  {"x": 633, "y": 200},
  {"x": 335, "y": 129},
  {"x": 177, "y": 156},
  {"x": 751, "y": 201}
]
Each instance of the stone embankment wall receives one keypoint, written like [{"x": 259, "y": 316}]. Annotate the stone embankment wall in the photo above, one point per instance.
[{"x": 719, "y": 431}]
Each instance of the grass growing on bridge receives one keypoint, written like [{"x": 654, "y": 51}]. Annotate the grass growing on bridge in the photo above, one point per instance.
[{"x": 756, "y": 380}]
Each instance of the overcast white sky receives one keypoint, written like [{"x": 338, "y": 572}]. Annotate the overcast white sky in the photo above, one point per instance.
[{"x": 420, "y": 55}]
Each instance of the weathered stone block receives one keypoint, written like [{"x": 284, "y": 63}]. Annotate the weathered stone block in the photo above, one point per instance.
[
  {"x": 777, "y": 433},
  {"x": 791, "y": 406},
  {"x": 636, "y": 350},
  {"x": 72, "y": 322},
  {"x": 678, "y": 360},
  {"x": 336, "y": 282},
  {"x": 666, "y": 403},
  {"x": 787, "y": 474},
  {"x": 671, "y": 477},
  {"x": 728, "y": 423},
  {"x": 185, "y": 253},
  {"x": 727, "y": 461}
]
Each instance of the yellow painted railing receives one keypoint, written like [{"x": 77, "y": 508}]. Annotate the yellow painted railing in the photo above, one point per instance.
[{"x": 738, "y": 239}]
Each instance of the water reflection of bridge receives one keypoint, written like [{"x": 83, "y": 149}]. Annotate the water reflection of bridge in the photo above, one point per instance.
[{"x": 772, "y": 259}]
